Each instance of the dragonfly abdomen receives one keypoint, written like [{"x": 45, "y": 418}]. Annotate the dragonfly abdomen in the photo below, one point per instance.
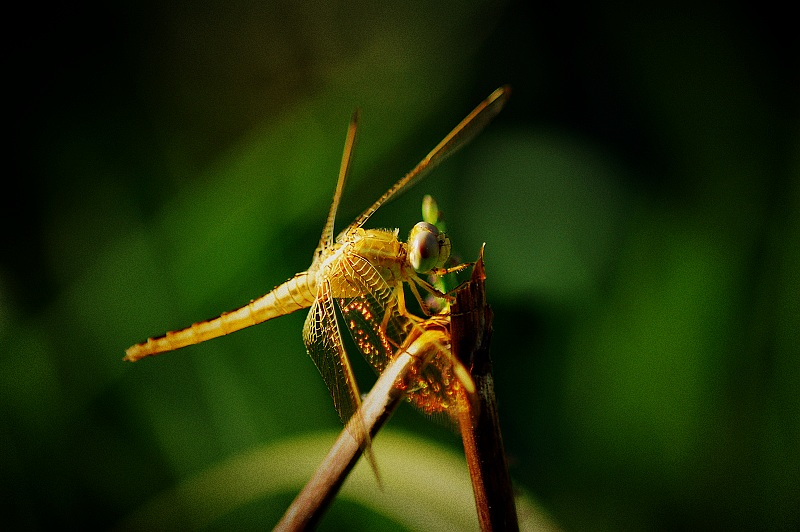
[
  {"x": 297, "y": 293},
  {"x": 294, "y": 294}
]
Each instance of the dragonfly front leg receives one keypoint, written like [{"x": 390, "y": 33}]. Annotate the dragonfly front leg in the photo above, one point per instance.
[
  {"x": 428, "y": 287},
  {"x": 453, "y": 269},
  {"x": 422, "y": 304},
  {"x": 399, "y": 299}
]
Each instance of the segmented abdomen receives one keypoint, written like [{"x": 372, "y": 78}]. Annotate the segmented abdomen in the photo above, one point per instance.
[{"x": 296, "y": 293}]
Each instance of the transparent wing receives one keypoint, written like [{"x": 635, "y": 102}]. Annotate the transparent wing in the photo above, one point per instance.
[
  {"x": 464, "y": 132},
  {"x": 432, "y": 384},
  {"x": 372, "y": 317},
  {"x": 380, "y": 333},
  {"x": 323, "y": 341},
  {"x": 326, "y": 240},
  {"x": 433, "y": 387},
  {"x": 324, "y": 344}
]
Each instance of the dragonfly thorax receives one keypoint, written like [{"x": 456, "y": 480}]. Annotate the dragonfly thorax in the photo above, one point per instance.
[
  {"x": 362, "y": 250},
  {"x": 428, "y": 248}
]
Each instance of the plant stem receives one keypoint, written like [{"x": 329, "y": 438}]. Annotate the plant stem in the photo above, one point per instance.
[
  {"x": 470, "y": 330},
  {"x": 312, "y": 502}
]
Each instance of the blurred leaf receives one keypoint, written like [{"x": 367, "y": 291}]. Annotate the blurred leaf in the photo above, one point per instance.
[
  {"x": 425, "y": 488},
  {"x": 549, "y": 208}
]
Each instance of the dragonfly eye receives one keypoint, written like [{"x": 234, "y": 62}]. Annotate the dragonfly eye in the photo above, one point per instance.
[{"x": 428, "y": 248}]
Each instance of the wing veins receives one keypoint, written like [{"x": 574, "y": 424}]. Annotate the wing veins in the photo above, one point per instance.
[{"x": 464, "y": 132}]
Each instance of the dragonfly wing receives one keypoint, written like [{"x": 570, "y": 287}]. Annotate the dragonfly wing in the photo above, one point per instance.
[
  {"x": 464, "y": 132},
  {"x": 324, "y": 344},
  {"x": 376, "y": 326},
  {"x": 326, "y": 240},
  {"x": 432, "y": 383},
  {"x": 381, "y": 332},
  {"x": 323, "y": 341},
  {"x": 433, "y": 387}
]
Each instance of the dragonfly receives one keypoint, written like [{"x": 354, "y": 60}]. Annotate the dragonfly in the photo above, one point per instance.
[{"x": 360, "y": 274}]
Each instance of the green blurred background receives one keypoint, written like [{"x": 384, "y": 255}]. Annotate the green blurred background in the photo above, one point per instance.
[{"x": 638, "y": 197}]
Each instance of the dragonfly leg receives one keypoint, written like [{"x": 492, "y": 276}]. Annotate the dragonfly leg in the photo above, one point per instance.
[
  {"x": 452, "y": 269},
  {"x": 388, "y": 314},
  {"x": 399, "y": 299},
  {"x": 430, "y": 288},
  {"x": 422, "y": 304}
]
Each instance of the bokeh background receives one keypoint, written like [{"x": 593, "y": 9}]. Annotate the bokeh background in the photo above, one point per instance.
[{"x": 639, "y": 198}]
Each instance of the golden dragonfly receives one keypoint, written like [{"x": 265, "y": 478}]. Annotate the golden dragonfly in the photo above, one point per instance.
[{"x": 362, "y": 272}]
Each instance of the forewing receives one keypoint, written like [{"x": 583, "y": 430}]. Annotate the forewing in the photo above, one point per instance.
[
  {"x": 464, "y": 132},
  {"x": 326, "y": 240}
]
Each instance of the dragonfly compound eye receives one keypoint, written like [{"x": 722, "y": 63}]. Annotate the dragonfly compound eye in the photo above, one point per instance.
[{"x": 424, "y": 247}]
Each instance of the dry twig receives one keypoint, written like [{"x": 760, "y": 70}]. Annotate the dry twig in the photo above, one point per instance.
[{"x": 470, "y": 330}]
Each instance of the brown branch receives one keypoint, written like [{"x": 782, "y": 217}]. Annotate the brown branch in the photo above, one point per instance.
[
  {"x": 312, "y": 502},
  {"x": 470, "y": 329}
]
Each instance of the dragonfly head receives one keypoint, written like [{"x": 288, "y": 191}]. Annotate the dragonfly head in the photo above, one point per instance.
[{"x": 428, "y": 247}]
